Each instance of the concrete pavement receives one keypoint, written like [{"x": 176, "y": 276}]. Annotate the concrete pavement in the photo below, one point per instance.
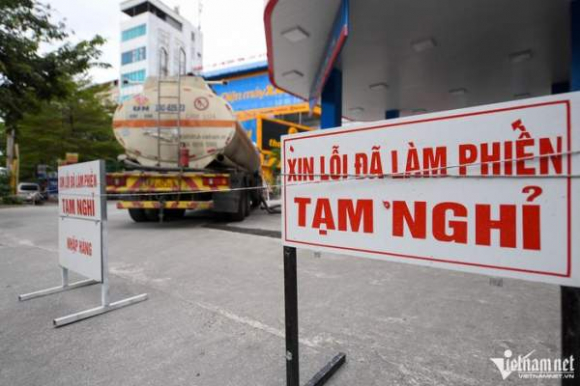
[{"x": 215, "y": 314}]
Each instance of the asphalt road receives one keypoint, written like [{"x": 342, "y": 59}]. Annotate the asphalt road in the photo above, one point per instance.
[{"x": 215, "y": 314}]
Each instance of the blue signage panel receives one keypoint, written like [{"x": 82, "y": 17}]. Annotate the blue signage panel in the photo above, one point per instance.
[
  {"x": 253, "y": 92},
  {"x": 250, "y": 126}
]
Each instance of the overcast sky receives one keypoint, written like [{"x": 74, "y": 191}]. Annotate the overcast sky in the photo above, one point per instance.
[{"x": 231, "y": 28}]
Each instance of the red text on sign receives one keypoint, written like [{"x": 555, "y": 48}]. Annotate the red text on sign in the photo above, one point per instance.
[
  {"x": 349, "y": 215},
  {"x": 450, "y": 222},
  {"x": 78, "y": 207},
  {"x": 79, "y": 246}
]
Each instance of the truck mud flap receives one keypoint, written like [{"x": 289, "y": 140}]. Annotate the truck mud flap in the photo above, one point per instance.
[{"x": 226, "y": 202}]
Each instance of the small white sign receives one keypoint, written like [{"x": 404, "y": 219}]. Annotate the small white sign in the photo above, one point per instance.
[
  {"x": 80, "y": 189},
  {"x": 80, "y": 247},
  {"x": 484, "y": 190},
  {"x": 82, "y": 209}
]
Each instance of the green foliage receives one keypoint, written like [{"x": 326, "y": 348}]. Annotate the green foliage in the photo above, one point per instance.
[
  {"x": 4, "y": 185},
  {"x": 6, "y": 196},
  {"x": 27, "y": 77},
  {"x": 41, "y": 97},
  {"x": 79, "y": 123}
]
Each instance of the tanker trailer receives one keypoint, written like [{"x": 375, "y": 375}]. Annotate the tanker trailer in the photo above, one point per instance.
[{"x": 184, "y": 150}]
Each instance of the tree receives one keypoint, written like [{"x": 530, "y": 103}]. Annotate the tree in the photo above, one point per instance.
[
  {"x": 79, "y": 123},
  {"x": 27, "y": 77}
]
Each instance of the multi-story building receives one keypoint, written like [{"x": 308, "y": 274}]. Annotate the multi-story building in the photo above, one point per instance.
[{"x": 155, "y": 40}]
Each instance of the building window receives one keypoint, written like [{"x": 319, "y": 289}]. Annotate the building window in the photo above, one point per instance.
[
  {"x": 163, "y": 62},
  {"x": 133, "y": 77},
  {"x": 125, "y": 97},
  {"x": 182, "y": 62},
  {"x": 133, "y": 56},
  {"x": 171, "y": 21},
  {"x": 134, "y": 32},
  {"x": 192, "y": 37}
]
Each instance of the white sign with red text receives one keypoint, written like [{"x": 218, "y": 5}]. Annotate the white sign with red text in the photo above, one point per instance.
[
  {"x": 485, "y": 190},
  {"x": 82, "y": 209}
]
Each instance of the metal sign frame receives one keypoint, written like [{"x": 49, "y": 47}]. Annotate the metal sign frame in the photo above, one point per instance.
[{"x": 106, "y": 304}]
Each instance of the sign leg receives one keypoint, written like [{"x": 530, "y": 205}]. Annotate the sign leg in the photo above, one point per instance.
[
  {"x": 64, "y": 320},
  {"x": 291, "y": 304},
  {"x": 105, "y": 293},
  {"x": 570, "y": 297},
  {"x": 104, "y": 265},
  {"x": 64, "y": 277},
  {"x": 54, "y": 290},
  {"x": 327, "y": 371}
]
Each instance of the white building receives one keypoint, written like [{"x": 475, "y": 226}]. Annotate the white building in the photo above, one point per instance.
[{"x": 155, "y": 40}]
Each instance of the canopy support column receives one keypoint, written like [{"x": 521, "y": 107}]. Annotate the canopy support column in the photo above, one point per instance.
[
  {"x": 392, "y": 114},
  {"x": 332, "y": 101}
]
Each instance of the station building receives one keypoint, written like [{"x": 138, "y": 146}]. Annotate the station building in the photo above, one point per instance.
[{"x": 247, "y": 88}]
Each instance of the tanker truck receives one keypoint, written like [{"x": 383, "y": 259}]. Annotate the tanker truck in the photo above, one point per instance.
[{"x": 184, "y": 150}]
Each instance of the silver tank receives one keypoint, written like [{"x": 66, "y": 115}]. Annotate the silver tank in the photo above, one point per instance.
[{"x": 207, "y": 127}]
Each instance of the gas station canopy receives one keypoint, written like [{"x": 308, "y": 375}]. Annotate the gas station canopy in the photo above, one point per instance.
[{"x": 420, "y": 56}]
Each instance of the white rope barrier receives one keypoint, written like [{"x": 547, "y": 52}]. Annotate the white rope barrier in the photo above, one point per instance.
[{"x": 422, "y": 174}]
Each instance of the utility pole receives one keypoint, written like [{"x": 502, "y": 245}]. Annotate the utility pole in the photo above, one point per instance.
[
  {"x": 10, "y": 158},
  {"x": 9, "y": 148}
]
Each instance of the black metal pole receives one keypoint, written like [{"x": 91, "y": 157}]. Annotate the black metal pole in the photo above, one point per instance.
[
  {"x": 571, "y": 296},
  {"x": 571, "y": 330},
  {"x": 291, "y": 303}
]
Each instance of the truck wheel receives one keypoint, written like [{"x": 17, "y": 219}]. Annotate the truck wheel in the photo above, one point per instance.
[
  {"x": 241, "y": 213},
  {"x": 256, "y": 194},
  {"x": 137, "y": 215},
  {"x": 255, "y": 200},
  {"x": 174, "y": 214},
  {"x": 152, "y": 214},
  {"x": 248, "y": 203}
]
